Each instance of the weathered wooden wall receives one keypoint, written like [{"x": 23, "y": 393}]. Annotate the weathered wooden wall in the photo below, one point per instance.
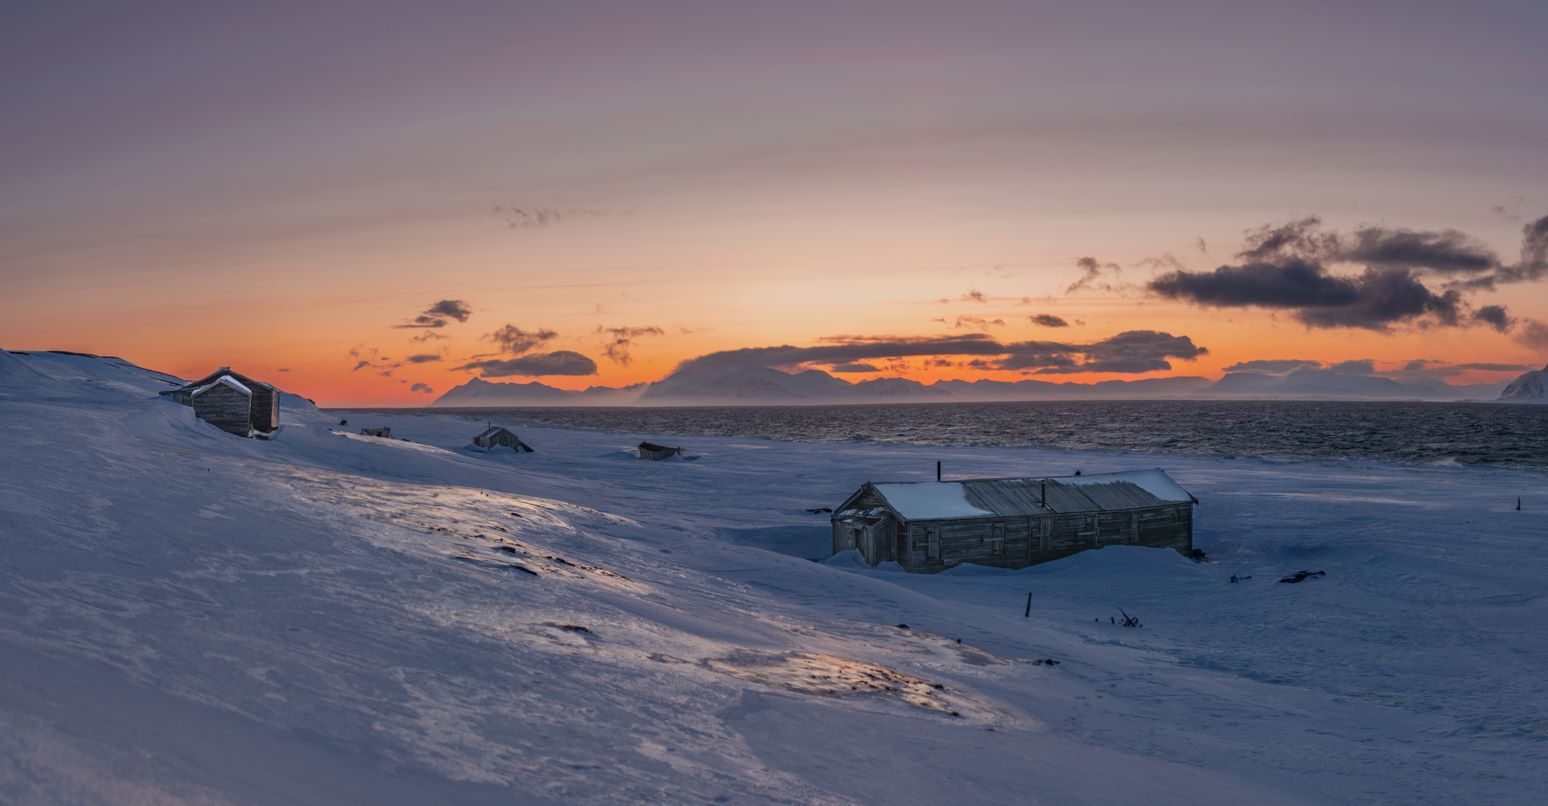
[
  {"x": 266, "y": 406},
  {"x": 225, "y": 408},
  {"x": 931, "y": 546}
]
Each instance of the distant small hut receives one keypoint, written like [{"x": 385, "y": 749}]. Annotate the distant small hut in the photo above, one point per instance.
[
  {"x": 655, "y": 453},
  {"x": 384, "y": 432},
  {"x": 259, "y": 404},
  {"x": 496, "y": 436},
  {"x": 930, "y": 526}
]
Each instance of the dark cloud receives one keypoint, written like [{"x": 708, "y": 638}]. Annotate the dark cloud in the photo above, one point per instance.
[
  {"x": 975, "y": 296},
  {"x": 1134, "y": 351},
  {"x": 853, "y": 366},
  {"x": 422, "y": 358},
  {"x": 1130, "y": 352},
  {"x": 1444, "y": 252},
  {"x": 1375, "y": 299},
  {"x": 422, "y": 389},
  {"x": 283, "y": 369},
  {"x": 1048, "y": 320},
  {"x": 428, "y": 335},
  {"x": 1199, "y": 244},
  {"x": 1494, "y": 316},
  {"x": 440, "y": 314},
  {"x": 361, "y": 364},
  {"x": 512, "y": 340},
  {"x": 560, "y": 362},
  {"x": 540, "y": 217},
  {"x": 1274, "y": 366},
  {"x": 619, "y": 343},
  {"x": 1300, "y": 238},
  {"x": 1092, "y": 272},
  {"x": 1533, "y": 334}
]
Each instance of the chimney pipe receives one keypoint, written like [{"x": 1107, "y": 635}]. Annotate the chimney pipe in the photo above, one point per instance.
[
  {"x": 1042, "y": 494},
  {"x": 937, "y": 471}
]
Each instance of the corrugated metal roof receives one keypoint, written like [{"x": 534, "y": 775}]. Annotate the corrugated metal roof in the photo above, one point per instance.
[{"x": 1023, "y": 497}]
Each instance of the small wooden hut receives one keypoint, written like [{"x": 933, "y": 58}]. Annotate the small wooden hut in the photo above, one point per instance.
[
  {"x": 384, "y": 432},
  {"x": 655, "y": 453},
  {"x": 496, "y": 436},
  {"x": 226, "y": 404},
  {"x": 1012, "y": 523},
  {"x": 263, "y": 412}
]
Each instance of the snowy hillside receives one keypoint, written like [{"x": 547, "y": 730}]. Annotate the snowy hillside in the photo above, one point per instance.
[{"x": 321, "y": 618}]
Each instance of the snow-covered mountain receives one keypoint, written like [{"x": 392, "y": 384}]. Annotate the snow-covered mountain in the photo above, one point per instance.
[
  {"x": 1320, "y": 383},
  {"x": 479, "y": 393},
  {"x": 1531, "y": 387}
]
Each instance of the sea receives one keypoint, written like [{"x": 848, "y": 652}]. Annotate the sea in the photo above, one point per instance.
[{"x": 1426, "y": 433}]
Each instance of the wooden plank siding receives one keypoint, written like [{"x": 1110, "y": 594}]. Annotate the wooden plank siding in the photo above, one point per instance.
[
  {"x": 225, "y": 408},
  {"x": 931, "y": 546}
]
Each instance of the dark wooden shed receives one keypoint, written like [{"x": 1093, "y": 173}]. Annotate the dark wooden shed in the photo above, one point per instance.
[
  {"x": 1012, "y": 523},
  {"x": 263, "y": 415},
  {"x": 496, "y": 436},
  {"x": 655, "y": 453},
  {"x": 226, "y": 404}
]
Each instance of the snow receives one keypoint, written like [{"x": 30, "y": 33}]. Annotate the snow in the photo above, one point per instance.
[
  {"x": 187, "y": 616},
  {"x": 931, "y": 499},
  {"x": 226, "y": 380},
  {"x": 1156, "y": 482}
]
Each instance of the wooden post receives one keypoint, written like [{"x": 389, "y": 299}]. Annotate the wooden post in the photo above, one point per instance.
[
  {"x": 1028, "y": 614},
  {"x": 938, "y": 474}
]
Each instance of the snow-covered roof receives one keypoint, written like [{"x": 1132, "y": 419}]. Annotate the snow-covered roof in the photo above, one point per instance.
[
  {"x": 929, "y": 500},
  {"x": 228, "y": 381},
  {"x": 1021, "y": 497}
]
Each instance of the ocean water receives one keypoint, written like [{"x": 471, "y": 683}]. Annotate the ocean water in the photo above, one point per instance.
[{"x": 1451, "y": 433}]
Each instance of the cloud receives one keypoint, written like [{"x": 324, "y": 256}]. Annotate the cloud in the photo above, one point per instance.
[
  {"x": 540, "y": 217},
  {"x": 1533, "y": 333},
  {"x": 1092, "y": 272},
  {"x": 853, "y": 366},
  {"x": 619, "y": 342},
  {"x": 560, "y": 362},
  {"x": 1374, "y": 300},
  {"x": 1494, "y": 316},
  {"x": 428, "y": 335},
  {"x": 974, "y": 296},
  {"x": 1048, "y": 320},
  {"x": 1275, "y": 366},
  {"x": 977, "y": 322},
  {"x": 422, "y": 358},
  {"x": 283, "y": 369},
  {"x": 361, "y": 364},
  {"x": 1199, "y": 244},
  {"x": 440, "y": 314},
  {"x": 512, "y": 340},
  {"x": 422, "y": 389},
  {"x": 1444, "y": 252},
  {"x": 1130, "y": 352}
]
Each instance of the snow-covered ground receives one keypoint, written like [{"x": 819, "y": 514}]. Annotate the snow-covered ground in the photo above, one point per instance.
[{"x": 187, "y": 616}]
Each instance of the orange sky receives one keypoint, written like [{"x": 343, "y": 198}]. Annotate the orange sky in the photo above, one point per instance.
[{"x": 186, "y": 197}]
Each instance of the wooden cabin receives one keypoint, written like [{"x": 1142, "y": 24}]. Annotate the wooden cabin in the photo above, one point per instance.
[
  {"x": 496, "y": 436},
  {"x": 263, "y": 413},
  {"x": 930, "y": 526},
  {"x": 226, "y": 404},
  {"x": 384, "y": 432},
  {"x": 655, "y": 453}
]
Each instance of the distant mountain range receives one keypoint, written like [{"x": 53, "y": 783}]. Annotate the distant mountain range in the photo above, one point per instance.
[
  {"x": 753, "y": 385},
  {"x": 1531, "y": 387}
]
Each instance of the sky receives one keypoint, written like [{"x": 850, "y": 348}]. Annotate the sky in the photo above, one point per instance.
[{"x": 370, "y": 203}]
